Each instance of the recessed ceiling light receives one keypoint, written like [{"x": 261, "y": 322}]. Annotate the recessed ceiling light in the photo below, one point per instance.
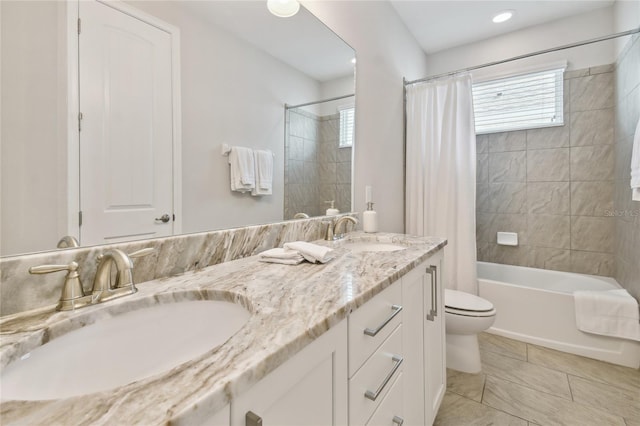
[
  {"x": 503, "y": 16},
  {"x": 283, "y": 8}
]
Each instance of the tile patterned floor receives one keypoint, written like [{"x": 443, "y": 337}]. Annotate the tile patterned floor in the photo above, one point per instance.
[{"x": 524, "y": 384}]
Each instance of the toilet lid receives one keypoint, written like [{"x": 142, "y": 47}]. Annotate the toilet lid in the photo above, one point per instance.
[{"x": 462, "y": 301}]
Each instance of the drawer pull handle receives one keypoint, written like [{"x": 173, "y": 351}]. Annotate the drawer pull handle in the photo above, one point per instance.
[
  {"x": 372, "y": 332},
  {"x": 433, "y": 312},
  {"x": 398, "y": 420},
  {"x": 397, "y": 359},
  {"x": 252, "y": 419}
]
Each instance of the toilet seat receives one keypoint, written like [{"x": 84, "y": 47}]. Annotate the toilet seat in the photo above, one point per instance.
[{"x": 466, "y": 304}]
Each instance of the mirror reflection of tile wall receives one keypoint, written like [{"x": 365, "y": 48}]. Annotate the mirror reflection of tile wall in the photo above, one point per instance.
[{"x": 316, "y": 169}]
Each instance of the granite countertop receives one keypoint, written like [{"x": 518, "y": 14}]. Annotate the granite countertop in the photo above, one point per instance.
[{"x": 290, "y": 307}]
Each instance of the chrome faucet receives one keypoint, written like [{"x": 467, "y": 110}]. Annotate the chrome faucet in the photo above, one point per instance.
[
  {"x": 103, "y": 289},
  {"x": 334, "y": 226},
  {"x": 73, "y": 295}
]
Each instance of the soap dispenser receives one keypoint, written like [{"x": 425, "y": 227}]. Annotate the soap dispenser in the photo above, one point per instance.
[
  {"x": 332, "y": 211},
  {"x": 370, "y": 219}
]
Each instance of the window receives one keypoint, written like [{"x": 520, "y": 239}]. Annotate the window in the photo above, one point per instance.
[
  {"x": 347, "y": 119},
  {"x": 519, "y": 102}
]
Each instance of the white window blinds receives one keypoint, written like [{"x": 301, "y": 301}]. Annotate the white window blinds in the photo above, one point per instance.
[
  {"x": 347, "y": 119},
  {"x": 519, "y": 102}
]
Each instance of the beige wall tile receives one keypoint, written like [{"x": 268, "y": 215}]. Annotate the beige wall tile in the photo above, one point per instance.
[
  {"x": 592, "y": 127},
  {"x": 548, "y": 198},
  {"x": 592, "y": 233},
  {"x": 508, "y": 166},
  {"x": 591, "y": 198},
  {"x": 549, "y": 137},
  {"x": 592, "y": 263},
  {"x": 549, "y": 231},
  {"x": 508, "y": 141},
  {"x": 548, "y": 165},
  {"x": 592, "y": 163},
  {"x": 482, "y": 168},
  {"x": 482, "y": 144},
  {"x": 509, "y": 255},
  {"x": 550, "y": 258},
  {"x": 482, "y": 198},
  {"x": 508, "y": 197},
  {"x": 592, "y": 92}
]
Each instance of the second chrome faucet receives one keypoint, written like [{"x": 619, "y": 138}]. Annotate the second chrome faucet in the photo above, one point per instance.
[{"x": 333, "y": 227}]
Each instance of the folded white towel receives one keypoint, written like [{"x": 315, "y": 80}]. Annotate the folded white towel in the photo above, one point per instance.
[
  {"x": 264, "y": 172},
  {"x": 312, "y": 252},
  {"x": 281, "y": 255},
  {"x": 242, "y": 169},
  {"x": 610, "y": 313},
  {"x": 635, "y": 165}
]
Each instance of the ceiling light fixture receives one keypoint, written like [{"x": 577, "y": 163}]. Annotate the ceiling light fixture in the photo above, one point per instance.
[
  {"x": 503, "y": 16},
  {"x": 283, "y": 8}
]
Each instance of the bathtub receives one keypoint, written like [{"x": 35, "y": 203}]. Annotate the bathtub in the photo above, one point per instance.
[{"x": 536, "y": 306}]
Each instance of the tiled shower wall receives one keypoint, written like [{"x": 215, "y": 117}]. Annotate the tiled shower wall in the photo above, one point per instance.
[
  {"x": 627, "y": 212},
  {"x": 316, "y": 169},
  {"x": 553, "y": 186}
]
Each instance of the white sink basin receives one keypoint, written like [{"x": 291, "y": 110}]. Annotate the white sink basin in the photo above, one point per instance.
[
  {"x": 371, "y": 246},
  {"x": 119, "y": 350}
]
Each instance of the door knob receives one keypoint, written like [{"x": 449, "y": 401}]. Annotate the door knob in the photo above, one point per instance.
[{"x": 164, "y": 218}]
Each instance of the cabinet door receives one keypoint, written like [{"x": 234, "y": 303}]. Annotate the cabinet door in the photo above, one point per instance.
[
  {"x": 309, "y": 389},
  {"x": 413, "y": 345},
  {"x": 434, "y": 338}
]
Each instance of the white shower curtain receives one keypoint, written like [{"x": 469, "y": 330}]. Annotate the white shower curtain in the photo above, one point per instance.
[{"x": 441, "y": 173}]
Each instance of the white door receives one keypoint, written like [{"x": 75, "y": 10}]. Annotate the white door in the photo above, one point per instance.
[{"x": 126, "y": 136}]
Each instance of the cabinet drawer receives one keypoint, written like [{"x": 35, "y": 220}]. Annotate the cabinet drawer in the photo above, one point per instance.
[
  {"x": 375, "y": 376},
  {"x": 372, "y": 317},
  {"x": 390, "y": 410}
]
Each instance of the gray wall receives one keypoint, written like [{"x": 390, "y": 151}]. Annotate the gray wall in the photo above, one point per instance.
[
  {"x": 316, "y": 169},
  {"x": 626, "y": 211},
  {"x": 553, "y": 186}
]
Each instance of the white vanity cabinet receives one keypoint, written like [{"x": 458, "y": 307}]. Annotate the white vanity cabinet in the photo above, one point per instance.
[
  {"x": 424, "y": 341},
  {"x": 308, "y": 389},
  {"x": 383, "y": 365},
  {"x": 376, "y": 358}
]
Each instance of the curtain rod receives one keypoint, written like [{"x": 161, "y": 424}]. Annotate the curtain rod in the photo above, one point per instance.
[
  {"x": 515, "y": 58},
  {"x": 287, "y": 106}
]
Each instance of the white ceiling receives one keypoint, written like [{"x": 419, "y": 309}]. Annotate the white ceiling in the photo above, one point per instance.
[
  {"x": 304, "y": 43},
  {"x": 301, "y": 41},
  {"x": 439, "y": 25}
]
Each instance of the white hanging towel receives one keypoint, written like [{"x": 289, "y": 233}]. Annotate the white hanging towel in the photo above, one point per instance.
[
  {"x": 264, "y": 172},
  {"x": 635, "y": 165},
  {"x": 610, "y": 313},
  {"x": 242, "y": 169}
]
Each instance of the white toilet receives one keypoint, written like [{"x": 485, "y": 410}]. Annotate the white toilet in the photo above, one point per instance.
[{"x": 466, "y": 315}]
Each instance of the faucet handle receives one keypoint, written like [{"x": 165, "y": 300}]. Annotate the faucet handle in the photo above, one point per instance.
[
  {"x": 72, "y": 292},
  {"x": 141, "y": 253},
  {"x": 47, "y": 269}
]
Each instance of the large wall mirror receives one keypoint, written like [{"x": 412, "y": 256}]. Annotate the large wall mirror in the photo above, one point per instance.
[{"x": 242, "y": 77}]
